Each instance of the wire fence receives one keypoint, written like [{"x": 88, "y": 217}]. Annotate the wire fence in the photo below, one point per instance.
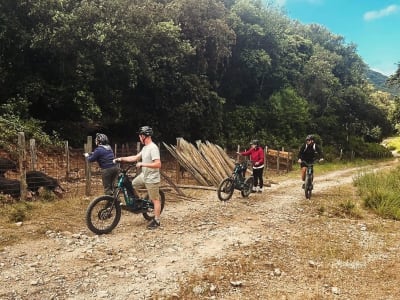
[{"x": 66, "y": 172}]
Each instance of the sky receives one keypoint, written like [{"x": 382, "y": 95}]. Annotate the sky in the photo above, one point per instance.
[{"x": 372, "y": 25}]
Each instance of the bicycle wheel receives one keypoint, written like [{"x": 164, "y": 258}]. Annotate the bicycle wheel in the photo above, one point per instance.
[
  {"x": 225, "y": 189},
  {"x": 247, "y": 186},
  {"x": 308, "y": 188},
  {"x": 149, "y": 214},
  {"x": 103, "y": 214}
]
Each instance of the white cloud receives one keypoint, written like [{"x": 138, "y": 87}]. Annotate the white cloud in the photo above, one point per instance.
[
  {"x": 283, "y": 2},
  {"x": 376, "y": 14},
  {"x": 280, "y": 3}
]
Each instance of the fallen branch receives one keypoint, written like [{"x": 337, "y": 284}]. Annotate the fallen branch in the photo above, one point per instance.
[{"x": 198, "y": 187}]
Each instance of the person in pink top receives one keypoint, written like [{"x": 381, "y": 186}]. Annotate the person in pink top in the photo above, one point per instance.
[{"x": 256, "y": 154}]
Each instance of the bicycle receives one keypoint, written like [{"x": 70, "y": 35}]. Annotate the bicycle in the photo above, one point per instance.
[
  {"x": 104, "y": 213},
  {"x": 308, "y": 183},
  {"x": 236, "y": 181},
  {"x": 309, "y": 180}
]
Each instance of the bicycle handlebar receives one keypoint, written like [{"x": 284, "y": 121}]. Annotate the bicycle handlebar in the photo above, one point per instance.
[
  {"x": 312, "y": 163},
  {"x": 129, "y": 166}
]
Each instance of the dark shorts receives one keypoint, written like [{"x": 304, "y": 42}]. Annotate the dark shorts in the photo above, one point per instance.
[{"x": 303, "y": 164}]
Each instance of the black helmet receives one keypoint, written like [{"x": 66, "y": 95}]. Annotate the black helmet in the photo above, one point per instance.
[
  {"x": 255, "y": 142},
  {"x": 146, "y": 130},
  {"x": 310, "y": 137},
  {"x": 102, "y": 139}
]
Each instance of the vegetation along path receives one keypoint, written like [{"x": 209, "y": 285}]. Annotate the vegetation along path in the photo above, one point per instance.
[{"x": 274, "y": 245}]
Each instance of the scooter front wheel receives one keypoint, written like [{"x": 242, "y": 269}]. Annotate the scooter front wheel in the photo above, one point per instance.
[
  {"x": 103, "y": 214},
  {"x": 225, "y": 189}
]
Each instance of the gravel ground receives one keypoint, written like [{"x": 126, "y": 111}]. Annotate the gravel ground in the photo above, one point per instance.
[{"x": 204, "y": 235}]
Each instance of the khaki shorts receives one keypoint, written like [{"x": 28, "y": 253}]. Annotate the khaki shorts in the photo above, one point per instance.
[{"x": 153, "y": 189}]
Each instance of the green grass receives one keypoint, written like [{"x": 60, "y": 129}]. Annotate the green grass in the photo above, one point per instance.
[
  {"x": 393, "y": 144},
  {"x": 380, "y": 191}
]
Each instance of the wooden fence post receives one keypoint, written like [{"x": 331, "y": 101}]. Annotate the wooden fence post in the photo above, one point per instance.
[
  {"x": 88, "y": 149},
  {"x": 22, "y": 164},
  {"x": 67, "y": 158},
  {"x": 265, "y": 160},
  {"x": 278, "y": 161},
  {"x": 32, "y": 149}
]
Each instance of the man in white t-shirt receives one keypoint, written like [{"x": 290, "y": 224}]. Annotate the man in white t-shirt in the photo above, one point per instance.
[{"x": 150, "y": 177}]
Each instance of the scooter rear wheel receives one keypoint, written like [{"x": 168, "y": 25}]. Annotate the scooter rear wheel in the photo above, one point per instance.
[
  {"x": 247, "y": 186},
  {"x": 149, "y": 214}
]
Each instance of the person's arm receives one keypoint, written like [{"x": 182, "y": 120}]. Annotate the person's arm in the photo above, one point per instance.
[
  {"x": 319, "y": 151},
  {"x": 155, "y": 164},
  {"x": 129, "y": 159},
  {"x": 262, "y": 156},
  {"x": 300, "y": 154},
  {"x": 93, "y": 156},
  {"x": 245, "y": 153}
]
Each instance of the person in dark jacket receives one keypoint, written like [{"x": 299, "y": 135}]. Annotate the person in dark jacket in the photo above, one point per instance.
[
  {"x": 307, "y": 155},
  {"x": 104, "y": 156},
  {"x": 256, "y": 154}
]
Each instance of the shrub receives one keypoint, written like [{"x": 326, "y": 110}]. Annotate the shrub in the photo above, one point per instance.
[{"x": 18, "y": 212}]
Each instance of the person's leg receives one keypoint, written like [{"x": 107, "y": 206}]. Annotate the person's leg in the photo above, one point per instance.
[
  {"x": 108, "y": 177},
  {"x": 138, "y": 183},
  {"x": 153, "y": 190},
  {"x": 303, "y": 173},
  {"x": 261, "y": 172},
  {"x": 256, "y": 180}
]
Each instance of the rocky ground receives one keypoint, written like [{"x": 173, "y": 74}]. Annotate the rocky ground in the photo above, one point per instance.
[{"x": 274, "y": 245}]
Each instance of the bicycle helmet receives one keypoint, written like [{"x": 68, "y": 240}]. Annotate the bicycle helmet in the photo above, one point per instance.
[
  {"x": 255, "y": 142},
  {"x": 102, "y": 139},
  {"x": 310, "y": 137},
  {"x": 145, "y": 130}
]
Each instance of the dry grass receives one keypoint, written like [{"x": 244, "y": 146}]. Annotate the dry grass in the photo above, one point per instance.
[
  {"x": 38, "y": 217},
  {"x": 328, "y": 247}
]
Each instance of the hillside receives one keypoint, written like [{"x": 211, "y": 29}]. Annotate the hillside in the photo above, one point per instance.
[
  {"x": 379, "y": 81},
  {"x": 274, "y": 245}
]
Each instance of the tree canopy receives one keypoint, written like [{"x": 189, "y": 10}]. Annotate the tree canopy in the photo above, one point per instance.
[{"x": 219, "y": 70}]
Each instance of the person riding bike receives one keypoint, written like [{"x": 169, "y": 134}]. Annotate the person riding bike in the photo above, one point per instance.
[
  {"x": 307, "y": 154},
  {"x": 150, "y": 177},
  {"x": 104, "y": 156},
  {"x": 256, "y": 153}
]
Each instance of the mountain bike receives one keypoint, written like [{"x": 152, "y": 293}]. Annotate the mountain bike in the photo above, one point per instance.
[
  {"x": 104, "y": 213},
  {"x": 236, "y": 181},
  {"x": 309, "y": 180},
  {"x": 308, "y": 183}
]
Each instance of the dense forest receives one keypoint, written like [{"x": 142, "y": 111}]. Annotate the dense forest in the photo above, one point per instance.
[{"x": 224, "y": 71}]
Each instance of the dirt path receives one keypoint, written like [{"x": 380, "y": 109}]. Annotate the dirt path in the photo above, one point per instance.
[{"x": 134, "y": 263}]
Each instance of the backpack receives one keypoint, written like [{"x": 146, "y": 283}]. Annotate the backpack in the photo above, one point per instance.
[{"x": 305, "y": 148}]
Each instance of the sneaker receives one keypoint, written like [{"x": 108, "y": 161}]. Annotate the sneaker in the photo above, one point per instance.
[
  {"x": 153, "y": 224},
  {"x": 254, "y": 189},
  {"x": 303, "y": 186},
  {"x": 260, "y": 190}
]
